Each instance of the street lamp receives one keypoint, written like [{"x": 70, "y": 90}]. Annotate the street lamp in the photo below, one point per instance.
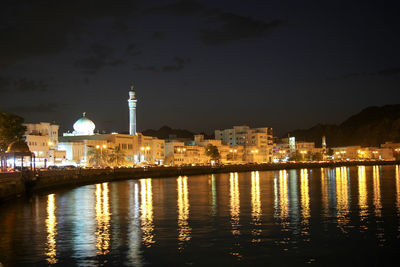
[
  {"x": 233, "y": 151},
  {"x": 101, "y": 152},
  {"x": 303, "y": 152}
]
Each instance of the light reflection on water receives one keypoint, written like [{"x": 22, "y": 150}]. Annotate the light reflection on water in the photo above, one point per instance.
[
  {"x": 362, "y": 193},
  {"x": 103, "y": 219},
  {"x": 146, "y": 209},
  {"x": 283, "y": 196},
  {"x": 324, "y": 193},
  {"x": 51, "y": 223},
  {"x": 305, "y": 196},
  {"x": 256, "y": 206},
  {"x": 133, "y": 242},
  {"x": 257, "y": 215},
  {"x": 398, "y": 189},
  {"x": 235, "y": 212},
  {"x": 342, "y": 197},
  {"x": 183, "y": 211}
]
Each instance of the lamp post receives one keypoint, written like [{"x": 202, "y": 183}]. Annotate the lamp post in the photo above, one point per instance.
[
  {"x": 303, "y": 152},
  {"x": 101, "y": 152},
  {"x": 397, "y": 151},
  {"x": 233, "y": 151}
]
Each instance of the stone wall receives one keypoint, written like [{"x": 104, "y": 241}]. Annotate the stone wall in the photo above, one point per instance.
[
  {"x": 11, "y": 185},
  {"x": 19, "y": 183}
]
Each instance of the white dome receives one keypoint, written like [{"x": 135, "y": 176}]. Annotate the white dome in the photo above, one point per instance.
[{"x": 84, "y": 126}]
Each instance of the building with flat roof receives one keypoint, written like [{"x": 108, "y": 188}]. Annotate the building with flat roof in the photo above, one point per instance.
[{"x": 257, "y": 142}]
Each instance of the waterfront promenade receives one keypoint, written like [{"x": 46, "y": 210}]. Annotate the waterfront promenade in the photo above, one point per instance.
[{"x": 19, "y": 184}]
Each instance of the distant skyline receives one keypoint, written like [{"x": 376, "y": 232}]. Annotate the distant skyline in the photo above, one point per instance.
[{"x": 198, "y": 65}]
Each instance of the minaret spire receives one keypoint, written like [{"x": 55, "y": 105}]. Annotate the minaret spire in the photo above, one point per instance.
[{"x": 132, "y": 111}]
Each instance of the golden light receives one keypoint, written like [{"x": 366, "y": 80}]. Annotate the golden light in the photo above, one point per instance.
[
  {"x": 97, "y": 147},
  {"x": 142, "y": 148},
  {"x": 342, "y": 195},
  {"x": 305, "y": 195},
  {"x": 231, "y": 150},
  {"x": 234, "y": 202},
  {"x": 324, "y": 192},
  {"x": 184, "y": 149},
  {"x": 147, "y": 148},
  {"x": 51, "y": 223},
  {"x": 283, "y": 195},
  {"x": 50, "y": 143},
  {"x": 398, "y": 188},
  {"x": 103, "y": 217},
  {"x": 377, "y": 191},
  {"x": 255, "y": 205},
  {"x": 362, "y": 192},
  {"x": 183, "y": 211},
  {"x": 104, "y": 146},
  {"x": 146, "y": 208},
  {"x": 179, "y": 150},
  {"x": 234, "y": 150}
]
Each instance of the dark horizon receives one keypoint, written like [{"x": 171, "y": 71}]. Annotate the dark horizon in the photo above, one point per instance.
[{"x": 198, "y": 65}]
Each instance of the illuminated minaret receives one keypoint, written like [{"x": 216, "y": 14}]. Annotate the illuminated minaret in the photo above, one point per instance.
[
  {"x": 132, "y": 111},
  {"x": 323, "y": 144}
]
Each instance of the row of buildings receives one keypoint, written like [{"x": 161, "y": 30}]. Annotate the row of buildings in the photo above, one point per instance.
[{"x": 241, "y": 144}]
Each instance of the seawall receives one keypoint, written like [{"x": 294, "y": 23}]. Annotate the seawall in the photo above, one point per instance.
[{"x": 21, "y": 183}]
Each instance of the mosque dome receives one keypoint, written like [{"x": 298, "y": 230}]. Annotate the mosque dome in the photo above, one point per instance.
[{"x": 84, "y": 126}]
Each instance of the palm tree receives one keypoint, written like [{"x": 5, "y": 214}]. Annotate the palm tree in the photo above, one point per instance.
[
  {"x": 97, "y": 157},
  {"x": 117, "y": 156}
]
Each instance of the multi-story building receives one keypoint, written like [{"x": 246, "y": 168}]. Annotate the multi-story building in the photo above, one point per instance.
[
  {"x": 177, "y": 153},
  {"x": 395, "y": 147},
  {"x": 42, "y": 140},
  {"x": 257, "y": 142},
  {"x": 358, "y": 152}
]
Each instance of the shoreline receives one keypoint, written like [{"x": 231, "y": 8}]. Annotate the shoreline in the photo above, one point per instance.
[{"x": 20, "y": 184}]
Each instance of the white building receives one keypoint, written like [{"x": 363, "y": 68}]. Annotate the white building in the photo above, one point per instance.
[
  {"x": 135, "y": 147},
  {"x": 42, "y": 139},
  {"x": 257, "y": 142}
]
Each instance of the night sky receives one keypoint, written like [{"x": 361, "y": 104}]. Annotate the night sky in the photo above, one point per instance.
[{"x": 198, "y": 65}]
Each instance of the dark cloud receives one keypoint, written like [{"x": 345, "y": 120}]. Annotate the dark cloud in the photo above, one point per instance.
[
  {"x": 133, "y": 50},
  {"x": 40, "y": 108},
  {"x": 180, "y": 8},
  {"x": 99, "y": 57},
  {"x": 26, "y": 85},
  {"x": 383, "y": 72},
  {"x": 178, "y": 65},
  {"x": 146, "y": 68},
  {"x": 158, "y": 35},
  {"x": 235, "y": 27},
  {"x": 4, "y": 84},
  {"x": 34, "y": 28},
  {"x": 226, "y": 27},
  {"x": 22, "y": 85},
  {"x": 389, "y": 71}
]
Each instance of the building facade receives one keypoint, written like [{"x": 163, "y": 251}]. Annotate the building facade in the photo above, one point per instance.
[
  {"x": 42, "y": 140},
  {"x": 257, "y": 142}
]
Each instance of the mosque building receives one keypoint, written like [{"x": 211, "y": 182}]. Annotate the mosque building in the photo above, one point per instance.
[{"x": 81, "y": 145}]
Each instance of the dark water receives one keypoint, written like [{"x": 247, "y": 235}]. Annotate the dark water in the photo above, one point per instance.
[{"x": 340, "y": 216}]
